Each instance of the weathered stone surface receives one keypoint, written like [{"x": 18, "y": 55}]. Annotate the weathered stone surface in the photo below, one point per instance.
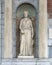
[
  {"x": 43, "y": 39},
  {"x": 43, "y": 63},
  {"x": 8, "y": 29},
  {"x": 25, "y": 61}
]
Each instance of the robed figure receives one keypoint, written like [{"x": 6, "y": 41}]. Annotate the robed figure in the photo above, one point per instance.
[{"x": 26, "y": 36}]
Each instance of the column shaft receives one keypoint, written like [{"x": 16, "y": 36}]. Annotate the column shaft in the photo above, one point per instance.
[
  {"x": 8, "y": 29},
  {"x": 43, "y": 41}
]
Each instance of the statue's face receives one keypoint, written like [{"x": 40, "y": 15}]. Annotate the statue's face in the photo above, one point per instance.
[{"x": 25, "y": 13}]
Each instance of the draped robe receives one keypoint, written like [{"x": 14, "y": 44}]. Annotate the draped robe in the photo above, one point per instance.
[{"x": 26, "y": 37}]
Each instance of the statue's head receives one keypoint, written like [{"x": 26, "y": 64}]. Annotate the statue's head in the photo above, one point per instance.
[{"x": 25, "y": 13}]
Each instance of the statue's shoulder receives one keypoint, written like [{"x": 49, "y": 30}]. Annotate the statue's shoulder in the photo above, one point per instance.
[
  {"x": 22, "y": 19},
  {"x": 29, "y": 19}
]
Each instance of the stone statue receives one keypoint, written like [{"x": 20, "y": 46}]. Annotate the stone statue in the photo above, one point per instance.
[{"x": 26, "y": 36}]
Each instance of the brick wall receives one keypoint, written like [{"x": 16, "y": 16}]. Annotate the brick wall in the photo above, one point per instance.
[
  {"x": 50, "y": 8},
  {"x": 49, "y": 5}
]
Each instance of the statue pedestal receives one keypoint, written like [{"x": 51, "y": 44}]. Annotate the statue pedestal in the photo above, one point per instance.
[{"x": 25, "y": 56}]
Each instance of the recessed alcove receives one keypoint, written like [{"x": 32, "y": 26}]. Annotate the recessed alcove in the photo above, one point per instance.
[{"x": 19, "y": 15}]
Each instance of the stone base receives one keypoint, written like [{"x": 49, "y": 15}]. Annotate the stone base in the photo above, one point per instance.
[
  {"x": 26, "y": 62},
  {"x": 25, "y": 56}
]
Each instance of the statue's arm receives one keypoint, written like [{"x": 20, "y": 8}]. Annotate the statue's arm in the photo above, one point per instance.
[
  {"x": 21, "y": 27},
  {"x": 32, "y": 29},
  {"x": 32, "y": 32}
]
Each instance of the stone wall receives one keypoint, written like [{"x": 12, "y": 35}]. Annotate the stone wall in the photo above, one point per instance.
[
  {"x": 2, "y": 32},
  {"x": 14, "y": 61},
  {"x": 26, "y": 62},
  {"x": 1, "y": 28},
  {"x": 15, "y": 5}
]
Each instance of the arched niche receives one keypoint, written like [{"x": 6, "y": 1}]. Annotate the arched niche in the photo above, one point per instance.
[{"x": 19, "y": 15}]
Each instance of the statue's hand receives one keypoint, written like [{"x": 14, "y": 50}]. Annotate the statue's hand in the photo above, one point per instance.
[
  {"x": 32, "y": 36},
  {"x": 32, "y": 42},
  {"x": 22, "y": 31}
]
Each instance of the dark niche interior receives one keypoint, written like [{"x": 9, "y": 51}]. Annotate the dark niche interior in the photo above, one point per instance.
[{"x": 18, "y": 18}]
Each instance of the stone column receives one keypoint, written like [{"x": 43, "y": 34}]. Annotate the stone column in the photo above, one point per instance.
[
  {"x": 43, "y": 41},
  {"x": 8, "y": 29}
]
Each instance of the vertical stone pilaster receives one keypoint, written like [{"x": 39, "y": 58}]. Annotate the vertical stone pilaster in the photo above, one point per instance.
[
  {"x": 0, "y": 31},
  {"x": 43, "y": 42},
  {"x": 8, "y": 29}
]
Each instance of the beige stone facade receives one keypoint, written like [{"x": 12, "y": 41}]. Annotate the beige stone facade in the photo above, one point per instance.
[
  {"x": 43, "y": 44},
  {"x": 43, "y": 37},
  {"x": 8, "y": 29}
]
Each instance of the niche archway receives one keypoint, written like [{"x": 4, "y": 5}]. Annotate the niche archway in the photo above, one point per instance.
[{"x": 19, "y": 15}]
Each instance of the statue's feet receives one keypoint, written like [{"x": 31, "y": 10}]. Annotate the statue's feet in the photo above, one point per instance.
[{"x": 20, "y": 54}]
